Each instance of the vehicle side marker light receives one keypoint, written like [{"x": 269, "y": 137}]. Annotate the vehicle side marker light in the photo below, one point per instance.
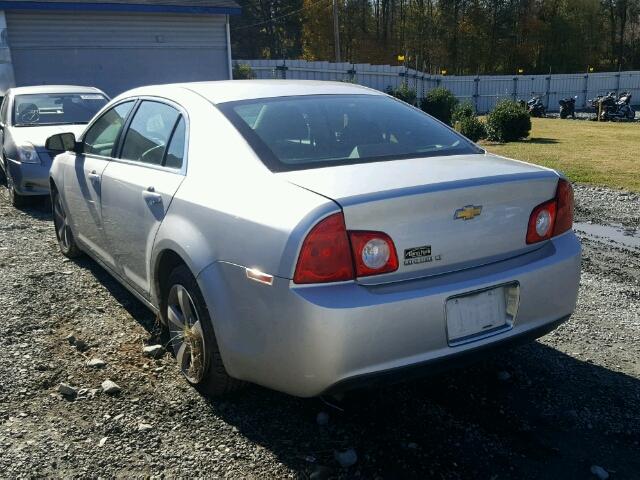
[{"x": 258, "y": 276}]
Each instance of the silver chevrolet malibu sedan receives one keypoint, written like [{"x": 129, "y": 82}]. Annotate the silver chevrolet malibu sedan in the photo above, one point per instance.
[{"x": 314, "y": 237}]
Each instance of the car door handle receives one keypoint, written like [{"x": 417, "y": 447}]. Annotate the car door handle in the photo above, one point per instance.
[
  {"x": 94, "y": 177},
  {"x": 151, "y": 197}
]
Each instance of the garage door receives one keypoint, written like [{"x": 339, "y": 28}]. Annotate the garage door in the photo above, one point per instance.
[{"x": 116, "y": 51}]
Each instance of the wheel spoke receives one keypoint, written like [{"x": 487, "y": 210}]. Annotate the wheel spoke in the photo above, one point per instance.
[
  {"x": 185, "y": 306},
  {"x": 181, "y": 357},
  {"x": 175, "y": 317},
  {"x": 66, "y": 235},
  {"x": 197, "y": 329}
]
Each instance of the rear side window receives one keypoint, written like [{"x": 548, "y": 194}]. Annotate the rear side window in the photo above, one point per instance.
[
  {"x": 175, "y": 152},
  {"x": 103, "y": 134},
  {"x": 149, "y": 133},
  {"x": 293, "y": 133}
]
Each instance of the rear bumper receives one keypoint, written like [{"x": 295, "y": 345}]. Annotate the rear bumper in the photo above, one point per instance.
[
  {"x": 442, "y": 364},
  {"x": 29, "y": 178},
  {"x": 309, "y": 340}
]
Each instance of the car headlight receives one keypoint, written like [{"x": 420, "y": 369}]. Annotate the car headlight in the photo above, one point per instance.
[{"x": 27, "y": 153}]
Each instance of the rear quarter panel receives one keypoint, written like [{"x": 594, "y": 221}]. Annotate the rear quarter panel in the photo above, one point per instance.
[{"x": 231, "y": 208}]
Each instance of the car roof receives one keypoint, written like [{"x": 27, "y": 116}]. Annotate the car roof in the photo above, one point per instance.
[
  {"x": 52, "y": 89},
  {"x": 233, "y": 90}
]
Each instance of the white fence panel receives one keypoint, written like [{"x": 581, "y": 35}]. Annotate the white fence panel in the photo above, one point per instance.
[{"x": 483, "y": 91}]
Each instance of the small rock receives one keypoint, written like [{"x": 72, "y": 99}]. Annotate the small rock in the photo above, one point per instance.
[
  {"x": 110, "y": 387},
  {"x": 599, "y": 472},
  {"x": 96, "y": 363},
  {"x": 102, "y": 441},
  {"x": 153, "y": 351},
  {"x": 322, "y": 418},
  {"x": 504, "y": 376},
  {"x": 347, "y": 458},
  {"x": 81, "y": 345},
  {"x": 118, "y": 417},
  {"x": 67, "y": 390},
  {"x": 144, "y": 427},
  {"x": 71, "y": 339}
]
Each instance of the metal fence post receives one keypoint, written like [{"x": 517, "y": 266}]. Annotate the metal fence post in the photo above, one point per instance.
[
  {"x": 547, "y": 94},
  {"x": 476, "y": 92},
  {"x": 586, "y": 90},
  {"x": 282, "y": 69},
  {"x": 515, "y": 89},
  {"x": 618, "y": 83},
  {"x": 351, "y": 74}
]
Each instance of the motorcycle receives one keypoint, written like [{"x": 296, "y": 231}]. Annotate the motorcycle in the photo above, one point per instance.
[
  {"x": 568, "y": 107},
  {"x": 536, "y": 108},
  {"x": 614, "y": 108}
]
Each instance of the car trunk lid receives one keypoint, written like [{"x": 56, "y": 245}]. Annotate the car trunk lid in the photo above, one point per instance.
[{"x": 442, "y": 213}]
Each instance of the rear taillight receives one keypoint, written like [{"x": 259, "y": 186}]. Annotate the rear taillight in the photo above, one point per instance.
[
  {"x": 329, "y": 253},
  {"x": 541, "y": 222},
  {"x": 553, "y": 217},
  {"x": 564, "y": 210},
  {"x": 373, "y": 253},
  {"x": 326, "y": 254}
]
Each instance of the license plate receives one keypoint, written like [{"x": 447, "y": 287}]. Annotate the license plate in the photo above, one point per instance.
[{"x": 477, "y": 314}]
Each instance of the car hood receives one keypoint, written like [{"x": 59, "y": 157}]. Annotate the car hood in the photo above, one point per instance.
[{"x": 37, "y": 136}]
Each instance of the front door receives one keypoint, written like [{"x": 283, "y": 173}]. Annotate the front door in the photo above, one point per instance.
[
  {"x": 137, "y": 188},
  {"x": 83, "y": 180}
]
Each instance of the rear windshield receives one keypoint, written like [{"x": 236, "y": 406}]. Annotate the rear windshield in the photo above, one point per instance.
[
  {"x": 56, "y": 108},
  {"x": 295, "y": 133}
]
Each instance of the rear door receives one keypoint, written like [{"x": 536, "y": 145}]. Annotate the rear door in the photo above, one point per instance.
[
  {"x": 83, "y": 177},
  {"x": 139, "y": 185}
]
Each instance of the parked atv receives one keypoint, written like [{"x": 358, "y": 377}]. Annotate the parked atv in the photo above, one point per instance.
[
  {"x": 568, "y": 107},
  {"x": 536, "y": 108}
]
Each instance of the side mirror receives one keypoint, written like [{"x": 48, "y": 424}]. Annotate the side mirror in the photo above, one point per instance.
[{"x": 62, "y": 142}]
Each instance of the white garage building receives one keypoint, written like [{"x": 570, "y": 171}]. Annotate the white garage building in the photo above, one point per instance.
[{"x": 114, "y": 45}]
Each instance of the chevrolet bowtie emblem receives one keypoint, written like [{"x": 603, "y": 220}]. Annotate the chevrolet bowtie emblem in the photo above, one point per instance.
[{"x": 468, "y": 212}]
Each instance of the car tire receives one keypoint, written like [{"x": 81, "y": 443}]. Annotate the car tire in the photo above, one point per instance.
[
  {"x": 15, "y": 198},
  {"x": 191, "y": 335},
  {"x": 66, "y": 240}
]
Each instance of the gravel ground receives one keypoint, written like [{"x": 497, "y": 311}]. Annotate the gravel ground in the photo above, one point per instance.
[{"x": 564, "y": 407}]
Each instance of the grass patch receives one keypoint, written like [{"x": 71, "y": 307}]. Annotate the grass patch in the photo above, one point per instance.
[{"x": 598, "y": 153}]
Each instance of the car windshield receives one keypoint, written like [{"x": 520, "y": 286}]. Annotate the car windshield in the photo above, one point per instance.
[
  {"x": 56, "y": 108},
  {"x": 294, "y": 133}
]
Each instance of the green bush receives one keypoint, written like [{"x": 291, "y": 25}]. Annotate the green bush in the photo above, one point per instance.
[
  {"x": 471, "y": 127},
  {"x": 439, "y": 103},
  {"x": 507, "y": 122},
  {"x": 242, "y": 71},
  {"x": 404, "y": 93},
  {"x": 463, "y": 110}
]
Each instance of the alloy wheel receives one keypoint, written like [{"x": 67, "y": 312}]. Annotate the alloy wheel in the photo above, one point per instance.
[
  {"x": 61, "y": 223},
  {"x": 186, "y": 334}
]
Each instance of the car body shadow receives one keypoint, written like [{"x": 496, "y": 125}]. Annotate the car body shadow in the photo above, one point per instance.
[{"x": 553, "y": 417}]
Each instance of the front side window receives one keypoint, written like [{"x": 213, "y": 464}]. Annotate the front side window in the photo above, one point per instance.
[
  {"x": 148, "y": 135},
  {"x": 56, "y": 108},
  {"x": 294, "y": 133},
  {"x": 103, "y": 134}
]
